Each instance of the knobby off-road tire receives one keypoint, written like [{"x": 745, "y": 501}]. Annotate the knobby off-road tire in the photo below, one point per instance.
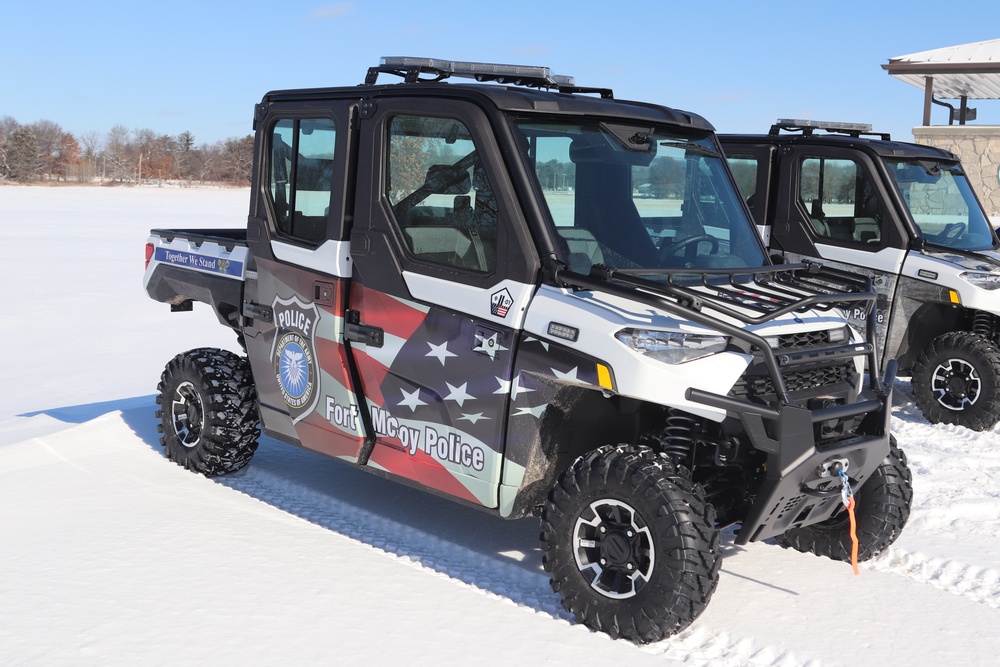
[
  {"x": 630, "y": 544},
  {"x": 883, "y": 507},
  {"x": 956, "y": 380},
  {"x": 208, "y": 411}
]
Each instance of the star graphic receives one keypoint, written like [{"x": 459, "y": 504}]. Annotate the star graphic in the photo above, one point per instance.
[
  {"x": 473, "y": 418},
  {"x": 489, "y": 345},
  {"x": 440, "y": 351},
  {"x": 411, "y": 400},
  {"x": 514, "y": 388},
  {"x": 544, "y": 344},
  {"x": 458, "y": 394},
  {"x": 569, "y": 375},
  {"x": 535, "y": 411}
]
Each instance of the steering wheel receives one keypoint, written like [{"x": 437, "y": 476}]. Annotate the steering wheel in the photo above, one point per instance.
[
  {"x": 952, "y": 230},
  {"x": 672, "y": 249}
]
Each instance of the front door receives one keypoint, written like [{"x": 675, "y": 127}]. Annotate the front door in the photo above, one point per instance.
[
  {"x": 442, "y": 277},
  {"x": 833, "y": 208}
]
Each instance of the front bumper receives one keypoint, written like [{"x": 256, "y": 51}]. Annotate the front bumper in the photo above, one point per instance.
[{"x": 798, "y": 489}]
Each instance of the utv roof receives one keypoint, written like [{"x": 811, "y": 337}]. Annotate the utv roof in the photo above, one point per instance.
[
  {"x": 826, "y": 133},
  {"x": 507, "y": 87}
]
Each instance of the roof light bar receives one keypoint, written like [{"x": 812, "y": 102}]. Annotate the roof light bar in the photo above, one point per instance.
[
  {"x": 825, "y": 125},
  {"x": 474, "y": 70},
  {"x": 436, "y": 70},
  {"x": 808, "y": 126}
]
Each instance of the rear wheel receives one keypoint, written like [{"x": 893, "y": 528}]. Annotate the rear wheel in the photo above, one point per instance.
[
  {"x": 630, "y": 544},
  {"x": 883, "y": 507},
  {"x": 956, "y": 380},
  {"x": 208, "y": 411}
]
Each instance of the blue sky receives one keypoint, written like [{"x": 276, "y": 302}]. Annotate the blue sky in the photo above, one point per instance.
[{"x": 200, "y": 66}]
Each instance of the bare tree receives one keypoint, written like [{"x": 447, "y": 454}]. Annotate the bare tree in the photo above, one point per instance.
[
  {"x": 48, "y": 137},
  {"x": 92, "y": 144},
  {"x": 122, "y": 155},
  {"x": 237, "y": 159},
  {"x": 117, "y": 149},
  {"x": 8, "y": 125}
]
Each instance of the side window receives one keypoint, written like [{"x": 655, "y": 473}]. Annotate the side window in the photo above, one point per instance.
[
  {"x": 301, "y": 176},
  {"x": 841, "y": 200},
  {"x": 744, "y": 168},
  {"x": 439, "y": 192}
]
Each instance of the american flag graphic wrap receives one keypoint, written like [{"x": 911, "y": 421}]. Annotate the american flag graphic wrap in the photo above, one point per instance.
[
  {"x": 450, "y": 408},
  {"x": 437, "y": 394}
]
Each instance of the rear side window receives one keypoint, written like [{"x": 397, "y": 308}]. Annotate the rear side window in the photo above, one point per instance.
[
  {"x": 840, "y": 200},
  {"x": 301, "y": 176}
]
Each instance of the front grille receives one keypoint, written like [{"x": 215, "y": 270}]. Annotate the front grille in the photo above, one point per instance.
[
  {"x": 804, "y": 339},
  {"x": 761, "y": 386}
]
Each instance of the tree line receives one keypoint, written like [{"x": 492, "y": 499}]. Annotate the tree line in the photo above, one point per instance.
[{"x": 43, "y": 151}]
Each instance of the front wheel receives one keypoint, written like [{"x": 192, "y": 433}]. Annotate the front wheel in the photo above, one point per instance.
[
  {"x": 630, "y": 544},
  {"x": 883, "y": 507},
  {"x": 956, "y": 380},
  {"x": 208, "y": 411}
]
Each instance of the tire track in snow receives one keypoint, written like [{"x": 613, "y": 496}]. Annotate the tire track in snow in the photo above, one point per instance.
[
  {"x": 698, "y": 645},
  {"x": 978, "y": 584}
]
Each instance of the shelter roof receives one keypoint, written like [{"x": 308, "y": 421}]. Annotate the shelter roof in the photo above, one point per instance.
[{"x": 967, "y": 70}]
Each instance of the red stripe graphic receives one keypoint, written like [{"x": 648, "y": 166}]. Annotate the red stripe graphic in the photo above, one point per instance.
[
  {"x": 318, "y": 434},
  {"x": 422, "y": 468},
  {"x": 394, "y": 317}
]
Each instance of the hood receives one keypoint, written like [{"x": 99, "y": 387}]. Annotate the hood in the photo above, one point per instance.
[{"x": 987, "y": 261}]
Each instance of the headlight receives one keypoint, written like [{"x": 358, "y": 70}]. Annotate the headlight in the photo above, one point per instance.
[
  {"x": 672, "y": 347},
  {"x": 988, "y": 281}
]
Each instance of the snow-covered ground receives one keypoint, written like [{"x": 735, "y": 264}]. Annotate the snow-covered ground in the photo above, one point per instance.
[{"x": 110, "y": 554}]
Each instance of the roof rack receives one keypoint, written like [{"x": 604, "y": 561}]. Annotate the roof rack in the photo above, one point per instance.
[
  {"x": 410, "y": 69},
  {"x": 807, "y": 127}
]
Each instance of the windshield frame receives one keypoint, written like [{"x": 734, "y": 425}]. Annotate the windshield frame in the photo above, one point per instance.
[
  {"x": 605, "y": 160},
  {"x": 978, "y": 234}
]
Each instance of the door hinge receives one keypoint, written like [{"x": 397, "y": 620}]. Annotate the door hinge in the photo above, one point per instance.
[
  {"x": 255, "y": 311},
  {"x": 366, "y": 108},
  {"x": 356, "y": 332}
]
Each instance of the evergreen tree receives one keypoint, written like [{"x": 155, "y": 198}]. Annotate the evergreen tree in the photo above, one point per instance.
[{"x": 23, "y": 158}]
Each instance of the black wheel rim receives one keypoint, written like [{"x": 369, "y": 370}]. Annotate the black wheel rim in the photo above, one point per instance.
[
  {"x": 613, "y": 547},
  {"x": 956, "y": 384},
  {"x": 188, "y": 414}
]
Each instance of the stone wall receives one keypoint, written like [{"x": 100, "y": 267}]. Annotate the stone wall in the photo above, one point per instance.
[{"x": 978, "y": 147}]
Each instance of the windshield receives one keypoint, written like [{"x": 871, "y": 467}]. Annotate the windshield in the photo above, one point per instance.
[
  {"x": 942, "y": 204},
  {"x": 632, "y": 197}
]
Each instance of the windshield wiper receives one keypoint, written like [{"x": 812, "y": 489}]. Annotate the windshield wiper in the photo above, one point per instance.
[{"x": 694, "y": 148}]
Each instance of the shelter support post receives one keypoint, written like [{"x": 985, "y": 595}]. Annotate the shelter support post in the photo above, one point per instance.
[{"x": 928, "y": 99}]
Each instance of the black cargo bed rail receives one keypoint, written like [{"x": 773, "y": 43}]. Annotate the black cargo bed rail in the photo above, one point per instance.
[{"x": 227, "y": 238}]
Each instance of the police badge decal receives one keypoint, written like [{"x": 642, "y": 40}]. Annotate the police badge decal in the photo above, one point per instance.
[{"x": 295, "y": 366}]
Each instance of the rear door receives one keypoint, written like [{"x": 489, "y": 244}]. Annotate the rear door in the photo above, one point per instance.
[
  {"x": 442, "y": 274},
  {"x": 295, "y": 299}
]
